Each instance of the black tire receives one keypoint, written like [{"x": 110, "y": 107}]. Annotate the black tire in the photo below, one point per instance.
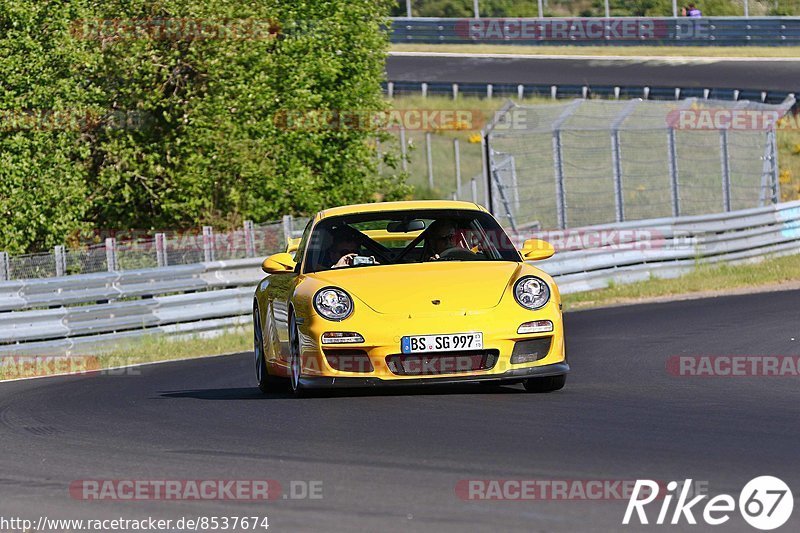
[
  {"x": 295, "y": 367},
  {"x": 266, "y": 383},
  {"x": 545, "y": 384}
]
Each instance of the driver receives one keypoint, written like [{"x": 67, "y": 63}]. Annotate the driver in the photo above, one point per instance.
[{"x": 443, "y": 235}]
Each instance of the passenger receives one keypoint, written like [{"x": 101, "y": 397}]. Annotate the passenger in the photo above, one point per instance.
[
  {"x": 693, "y": 12},
  {"x": 342, "y": 250}
]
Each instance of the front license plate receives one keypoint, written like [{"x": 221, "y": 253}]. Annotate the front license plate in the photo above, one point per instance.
[{"x": 453, "y": 342}]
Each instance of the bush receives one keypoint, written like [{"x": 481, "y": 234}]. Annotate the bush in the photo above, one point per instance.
[{"x": 183, "y": 131}]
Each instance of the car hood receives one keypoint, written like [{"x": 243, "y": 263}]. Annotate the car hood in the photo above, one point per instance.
[{"x": 412, "y": 288}]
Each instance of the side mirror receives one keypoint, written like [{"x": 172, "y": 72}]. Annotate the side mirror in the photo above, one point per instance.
[
  {"x": 536, "y": 249},
  {"x": 281, "y": 263}
]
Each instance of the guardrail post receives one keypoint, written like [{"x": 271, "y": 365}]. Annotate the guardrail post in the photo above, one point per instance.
[
  {"x": 249, "y": 238},
  {"x": 672, "y": 162},
  {"x": 424, "y": 89},
  {"x": 390, "y": 89},
  {"x": 726, "y": 170},
  {"x": 161, "y": 250},
  {"x": 61, "y": 261},
  {"x": 111, "y": 254},
  {"x": 208, "y": 243},
  {"x": 5, "y": 274},
  {"x": 455, "y": 91},
  {"x": 489, "y": 90}
]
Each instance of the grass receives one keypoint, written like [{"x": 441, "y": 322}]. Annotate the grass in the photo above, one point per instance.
[
  {"x": 566, "y": 50},
  {"x": 704, "y": 280},
  {"x": 147, "y": 349}
]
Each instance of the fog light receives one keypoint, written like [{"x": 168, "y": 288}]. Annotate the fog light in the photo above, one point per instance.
[
  {"x": 341, "y": 337},
  {"x": 536, "y": 326}
]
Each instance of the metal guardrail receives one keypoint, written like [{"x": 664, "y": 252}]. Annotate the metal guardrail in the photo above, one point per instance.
[
  {"x": 86, "y": 313},
  {"x": 619, "y": 31}
]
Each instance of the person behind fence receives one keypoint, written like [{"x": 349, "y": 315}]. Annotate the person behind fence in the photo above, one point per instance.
[{"x": 693, "y": 12}]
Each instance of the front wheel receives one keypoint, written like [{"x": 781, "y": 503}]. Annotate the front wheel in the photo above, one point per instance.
[
  {"x": 295, "y": 363},
  {"x": 545, "y": 384}
]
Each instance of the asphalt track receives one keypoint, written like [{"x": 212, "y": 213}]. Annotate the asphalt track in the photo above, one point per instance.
[
  {"x": 390, "y": 461},
  {"x": 780, "y": 75}
]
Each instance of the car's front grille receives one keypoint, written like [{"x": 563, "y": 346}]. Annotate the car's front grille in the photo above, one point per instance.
[{"x": 432, "y": 364}]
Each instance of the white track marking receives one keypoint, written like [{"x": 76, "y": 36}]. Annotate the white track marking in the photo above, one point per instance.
[{"x": 662, "y": 59}]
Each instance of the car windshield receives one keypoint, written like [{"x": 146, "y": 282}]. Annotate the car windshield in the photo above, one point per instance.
[{"x": 401, "y": 237}]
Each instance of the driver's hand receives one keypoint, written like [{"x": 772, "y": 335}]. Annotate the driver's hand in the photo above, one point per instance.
[
  {"x": 345, "y": 261},
  {"x": 435, "y": 257}
]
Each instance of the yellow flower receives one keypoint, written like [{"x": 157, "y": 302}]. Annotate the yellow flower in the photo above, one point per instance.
[
  {"x": 796, "y": 148},
  {"x": 475, "y": 138},
  {"x": 785, "y": 176}
]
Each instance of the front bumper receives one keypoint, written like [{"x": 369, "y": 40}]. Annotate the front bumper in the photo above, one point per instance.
[{"x": 516, "y": 375}]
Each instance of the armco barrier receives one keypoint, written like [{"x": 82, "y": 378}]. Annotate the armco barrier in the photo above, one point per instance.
[
  {"x": 86, "y": 313},
  {"x": 620, "y": 31}
]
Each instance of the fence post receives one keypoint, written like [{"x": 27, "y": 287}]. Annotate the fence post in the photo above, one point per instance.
[
  {"x": 249, "y": 238},
  {"x": 458, "y": 167},
  {"x": 617, "y": 168},
  {"x": 672, "y": 162},
  {"x": 61, "y": 261},
  {"x": 773, "y": 157},
  {"x": 111, "y": 254},
  {"x": 558, "y": 167},
  {"x": 5, "y": 273},
  {"x": 403, "y": 148},
  {"x": 726, "y": 170},
  {"x": 474, "y": 186},
  {"x": 430, "y": 159},
  {"x": 288, "y": 228},
  {"x": 161, "y": 250},
  {"x": 208, "y": 244}
]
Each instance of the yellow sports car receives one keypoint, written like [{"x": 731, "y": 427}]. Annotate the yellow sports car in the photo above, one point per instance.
[{"x": 404, "y": 293}]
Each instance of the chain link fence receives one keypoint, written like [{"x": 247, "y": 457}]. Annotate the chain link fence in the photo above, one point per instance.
[
  {"x": 132, "y": 250},
  {"x": 598, "y": 161}
]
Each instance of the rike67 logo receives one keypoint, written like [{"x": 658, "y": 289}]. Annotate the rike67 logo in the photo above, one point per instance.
[{"x": 765, "y": 503}]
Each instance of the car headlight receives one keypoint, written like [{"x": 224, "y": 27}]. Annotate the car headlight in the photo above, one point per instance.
[
  {"x": 333, "y": 303},
  {"x": 531, "y": 292}
]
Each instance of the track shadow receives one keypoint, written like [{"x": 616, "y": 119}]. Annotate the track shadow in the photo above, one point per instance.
[{"x": 252, "y": 393}]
